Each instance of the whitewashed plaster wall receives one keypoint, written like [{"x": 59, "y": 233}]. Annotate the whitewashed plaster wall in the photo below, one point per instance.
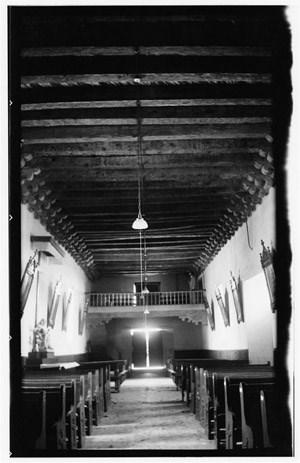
[
  {"x": 242, "y": 257},
  {"x": 73, "y": 279}
]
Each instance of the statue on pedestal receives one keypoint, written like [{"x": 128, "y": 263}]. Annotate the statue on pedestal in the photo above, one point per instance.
[{"x": 42, "y": 337}]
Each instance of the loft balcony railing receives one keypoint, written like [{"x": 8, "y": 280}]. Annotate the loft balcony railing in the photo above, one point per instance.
[{"x": 142, "y": 299}]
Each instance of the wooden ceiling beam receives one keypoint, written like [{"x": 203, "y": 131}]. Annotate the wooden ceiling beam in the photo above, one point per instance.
[
  {"x": 145, "y": 51},
  {"x": 184, "y": 91},
  {"x": 144, "y": 122},
  {"x": 149, "y": 162},
  {"x": 180, "y": 175},
  {"x": 147, "y": 65},
  {"x": 218, "y": 187},
  {"x": 147, "y": 115},
  {"x": 153, "y": 132},
  {"x": 209, "y": 146},
  {"x": 104, "y": 205},
  {"x": 150, "y": 234},
  {"x": 92, "y": 245},
  {"x": 84, "y": 228},
  {"x": 144, "y": 79},
  {"x": 123, "y": 258},
  {"x": 163, "y": 195},
  {"x": 146, "y": 103},
  {"x": 148, "y": 14}
]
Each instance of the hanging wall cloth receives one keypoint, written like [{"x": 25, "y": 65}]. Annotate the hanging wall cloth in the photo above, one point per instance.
[
  {"x": 223, "y": 308},
  {"x": 66, "y": 313},
  {"x": 236, "y": 299},
  {"x": 27, "y": 280},
  {"x": 210, "y": 313},
  {"x": 82, "y": 317},
  {"x": 54, "y": 304}
]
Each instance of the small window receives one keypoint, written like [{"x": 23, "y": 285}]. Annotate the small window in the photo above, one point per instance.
[{"x": 153, "y": 287}]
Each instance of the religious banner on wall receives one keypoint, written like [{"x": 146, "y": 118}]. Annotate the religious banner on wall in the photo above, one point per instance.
[
  {"x": 54, "y": 304},
  {"x": 27, "y": 280},
  {"x": 82, "y": 317},
  {"x": 65, "y": 312},
  {"x": 236, "y": 299},
  {"x": 210, "y": 313},
  {"x": 224, "y": 309},
  {"x": 266, "y": 258}
]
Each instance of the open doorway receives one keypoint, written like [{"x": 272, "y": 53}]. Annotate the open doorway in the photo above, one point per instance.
[{"x": 147, "y": 348}]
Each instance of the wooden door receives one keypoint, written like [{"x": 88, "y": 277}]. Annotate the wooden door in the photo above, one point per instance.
[
  {"x": 155, "y": 348},
  {"x": 139, "y": 349}
]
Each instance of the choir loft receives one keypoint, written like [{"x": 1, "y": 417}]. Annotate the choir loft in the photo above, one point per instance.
[{"x": 147, "y": 146}]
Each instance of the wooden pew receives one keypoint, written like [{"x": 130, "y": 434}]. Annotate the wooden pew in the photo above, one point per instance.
[
  {"x": 86, "y": 389},
  {"x": 95, "y": 389},
  {"x": 118, "y": 373},
  {"x": 34, "y": 420},
  {"x": 104, "y": 378},
  {"x": 187, "y": 372},
  {"x": 251, "y": 413},
  {"x": 75, "y": 401},
  {"x": 270, "y": 419},
  {"x": 56, "y": 428},
  {"x": 234, "y": 405},
  {"x": 212, "y": 402},
  {"x": 175, "y": 375}
]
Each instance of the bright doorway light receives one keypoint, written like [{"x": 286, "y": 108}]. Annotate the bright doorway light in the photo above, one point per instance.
[
  {"x": 159, "y": 367},
  {"x": 144, "y": 330}
]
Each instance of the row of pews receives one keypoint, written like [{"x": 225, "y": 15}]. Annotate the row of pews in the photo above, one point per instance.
[
  {"x": 234, "y": 401},
  {"x": 62, "y": 402}
]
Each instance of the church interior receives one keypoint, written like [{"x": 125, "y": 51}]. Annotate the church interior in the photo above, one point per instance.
[{"x": 147, "y": 145}]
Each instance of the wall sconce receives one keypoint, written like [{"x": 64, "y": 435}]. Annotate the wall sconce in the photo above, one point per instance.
[
  {"x": 266, "y": 258},
  {"x": 236, "y": 299},
  {"x": 210, "y": 313},
  {"x": 224, "y": 310}
]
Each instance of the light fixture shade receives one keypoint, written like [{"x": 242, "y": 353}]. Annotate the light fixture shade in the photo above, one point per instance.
[
  {"x": 146, "y": 311},
  {"x": 139, "y": 224}
]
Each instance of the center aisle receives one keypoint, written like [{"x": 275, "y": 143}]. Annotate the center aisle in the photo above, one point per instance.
[{"x": 148, "y": 413}]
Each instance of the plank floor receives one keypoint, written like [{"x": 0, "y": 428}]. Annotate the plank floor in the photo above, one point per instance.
[{"x": 148, "y": 413}]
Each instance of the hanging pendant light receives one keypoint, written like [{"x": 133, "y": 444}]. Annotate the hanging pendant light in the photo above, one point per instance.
[{"x": 139, "y": 223}]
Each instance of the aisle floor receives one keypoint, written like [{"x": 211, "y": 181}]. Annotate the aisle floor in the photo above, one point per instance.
[{"x": 148, "y": 413}]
